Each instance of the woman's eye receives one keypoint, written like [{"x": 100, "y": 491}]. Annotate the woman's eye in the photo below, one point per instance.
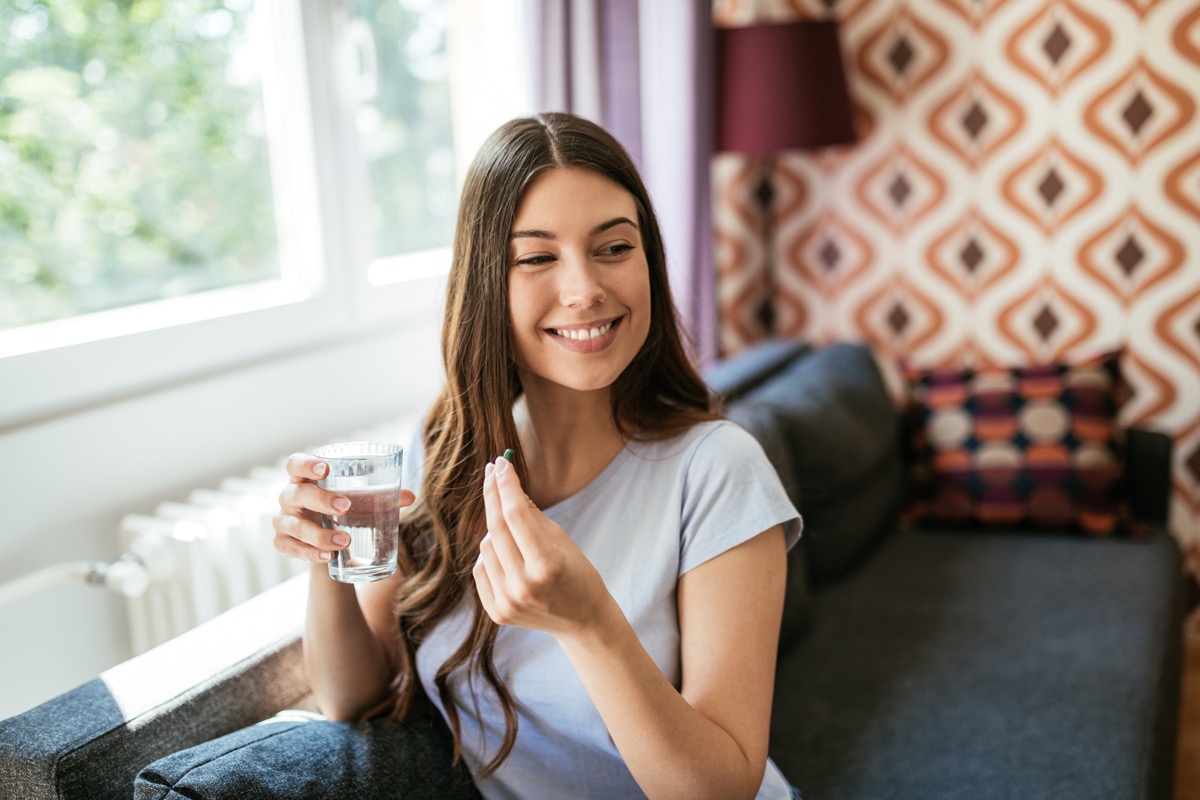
[
  {"x": 533, "y": 261},
  {"x": 616, "y": 250}
]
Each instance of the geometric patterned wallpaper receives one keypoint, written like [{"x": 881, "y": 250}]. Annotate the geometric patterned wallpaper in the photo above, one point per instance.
[{"x": 1025, "y": 189}]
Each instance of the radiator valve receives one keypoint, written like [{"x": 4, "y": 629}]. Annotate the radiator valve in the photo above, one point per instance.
[{"x": 126, "y": 576}]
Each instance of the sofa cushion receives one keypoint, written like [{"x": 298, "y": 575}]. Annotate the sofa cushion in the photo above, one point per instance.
[
  {"x": 842, "y": 529},
  {"x": 1036, "y": 446},
  {"x": 298, "y": 755},
  {"x": 763, "y": 423},
  {"x": 733, "y": 377},
  {"x": 995, "y": 665},
  {"x": 827, "y": 422},
  {"x": 834, "y": 412}
]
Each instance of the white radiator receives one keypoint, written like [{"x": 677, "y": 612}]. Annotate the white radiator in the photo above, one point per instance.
[{"x": 214, "y": 549}]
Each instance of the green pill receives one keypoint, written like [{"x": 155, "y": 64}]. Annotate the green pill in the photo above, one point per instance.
[{"x": 509, "y": 454}]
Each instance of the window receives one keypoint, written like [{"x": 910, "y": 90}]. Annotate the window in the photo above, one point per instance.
[
  {"x": 134, "y": 152},
  {"x": 187, "y": 185},
  {"x": 404, "y": 124}
]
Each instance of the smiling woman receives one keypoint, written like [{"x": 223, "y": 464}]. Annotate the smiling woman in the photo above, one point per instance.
[
  {"x": 579, "y": 281},
  {"x": 598, "y": 616}
]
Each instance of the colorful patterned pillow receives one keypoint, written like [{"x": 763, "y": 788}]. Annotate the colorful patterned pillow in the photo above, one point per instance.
[{"x": 1036, "y": 447}]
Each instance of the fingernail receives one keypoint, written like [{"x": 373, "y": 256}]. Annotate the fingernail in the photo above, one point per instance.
[
  {"x": 341, "y": 539},
  {"x": 502, "y": 466},
  {"x": 319, "y": 470},
  {"x": 488, "y": 470},
  {"x": 324, "y": 556},
  {"x": 341, "y": 504}
]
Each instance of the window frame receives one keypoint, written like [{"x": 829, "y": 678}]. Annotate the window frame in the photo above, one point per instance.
[{"x": 325, "y": 296}]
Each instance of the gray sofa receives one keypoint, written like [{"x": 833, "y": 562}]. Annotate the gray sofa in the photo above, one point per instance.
[
  {"x": 914, "y": 663},
  {"x": 955, "y": 663}
]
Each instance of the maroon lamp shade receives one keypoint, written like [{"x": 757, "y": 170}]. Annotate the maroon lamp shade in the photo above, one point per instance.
[{"x": 781, "y": 87}]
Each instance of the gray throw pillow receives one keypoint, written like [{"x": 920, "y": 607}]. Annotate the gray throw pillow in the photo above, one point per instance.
[{"x": 297, "y": 755}]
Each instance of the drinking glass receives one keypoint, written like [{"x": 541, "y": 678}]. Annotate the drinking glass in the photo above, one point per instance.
[{"x": 368, "y": 475}]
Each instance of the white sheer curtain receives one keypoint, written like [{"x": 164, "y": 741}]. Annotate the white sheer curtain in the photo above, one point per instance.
[{"x": 644, "y": 70}]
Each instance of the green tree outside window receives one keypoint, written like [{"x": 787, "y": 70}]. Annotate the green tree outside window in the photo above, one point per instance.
[{"x": 133, "y": 155}]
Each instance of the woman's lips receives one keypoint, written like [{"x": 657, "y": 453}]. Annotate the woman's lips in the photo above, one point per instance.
[{"x": 589, "y": 340}]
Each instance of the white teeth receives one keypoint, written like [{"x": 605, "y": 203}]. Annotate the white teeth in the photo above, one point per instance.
[{"x": 584, "y": 335}]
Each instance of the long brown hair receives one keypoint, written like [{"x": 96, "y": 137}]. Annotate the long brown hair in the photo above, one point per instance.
[{"x": 658, "y": 395}]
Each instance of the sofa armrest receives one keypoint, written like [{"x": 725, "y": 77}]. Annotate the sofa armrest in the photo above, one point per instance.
[
  {"x": 1148, "y": 475},
  {"x": 733, "y": 378},
  {"x": 230, "y": 672}
]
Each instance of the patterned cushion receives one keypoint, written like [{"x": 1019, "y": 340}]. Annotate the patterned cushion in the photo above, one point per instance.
[{"x": 1035, "y": 447}]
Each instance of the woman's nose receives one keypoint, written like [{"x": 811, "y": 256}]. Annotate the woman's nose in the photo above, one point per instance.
[{"x": 580, "y": 284}]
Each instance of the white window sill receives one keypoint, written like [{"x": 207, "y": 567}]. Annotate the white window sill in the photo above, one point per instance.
[{"x": 53, "y": 369}]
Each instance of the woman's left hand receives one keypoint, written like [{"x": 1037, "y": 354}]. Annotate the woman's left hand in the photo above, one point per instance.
[{"x": 529, "y": 572}]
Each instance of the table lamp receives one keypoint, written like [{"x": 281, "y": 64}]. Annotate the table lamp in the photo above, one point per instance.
[{"x": 780, "y": 87}]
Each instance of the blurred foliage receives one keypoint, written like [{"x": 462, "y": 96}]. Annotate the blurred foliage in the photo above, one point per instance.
[
  {"x": 133, "y": 160},
  {"x": 405, "y": 131},
  {"x": 133, "y": 150}
]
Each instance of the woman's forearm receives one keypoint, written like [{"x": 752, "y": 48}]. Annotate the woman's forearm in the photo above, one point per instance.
[
  {"x": 346, "y": 663},
  {"x": 670, "y": 747}
]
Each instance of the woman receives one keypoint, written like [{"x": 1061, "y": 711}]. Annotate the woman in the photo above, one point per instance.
[{"x": 599, "y": 618}]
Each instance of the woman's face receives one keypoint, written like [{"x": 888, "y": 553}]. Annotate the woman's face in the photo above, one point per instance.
[{"x": 578, "y": 282}]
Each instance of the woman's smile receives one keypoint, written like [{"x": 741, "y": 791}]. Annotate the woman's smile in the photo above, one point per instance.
[
  {"x": 578, "y": 281},
  {"x": 587, "y": 338}
]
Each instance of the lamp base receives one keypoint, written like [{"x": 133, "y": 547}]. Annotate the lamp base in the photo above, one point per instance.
[{"x": 764, "y": 195}]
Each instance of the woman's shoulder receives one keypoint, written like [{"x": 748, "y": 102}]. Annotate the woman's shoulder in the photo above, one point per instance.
[
  {"x": 725, "y": 442},
  {"x": 705, "y": 441}
]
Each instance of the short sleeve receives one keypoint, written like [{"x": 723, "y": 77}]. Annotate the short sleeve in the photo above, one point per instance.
[{"x": 731, "y": 494}]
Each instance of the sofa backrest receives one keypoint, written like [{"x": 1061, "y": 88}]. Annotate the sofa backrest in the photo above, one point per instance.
[{"x": 828, "y": 424}]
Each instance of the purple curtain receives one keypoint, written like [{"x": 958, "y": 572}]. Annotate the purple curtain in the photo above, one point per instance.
[{"x": 644, "y": 70}]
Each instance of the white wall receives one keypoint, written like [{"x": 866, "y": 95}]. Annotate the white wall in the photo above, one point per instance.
[{"x": 67, "y": 480}]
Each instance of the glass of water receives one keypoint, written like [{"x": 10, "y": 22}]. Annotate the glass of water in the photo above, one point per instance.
[{"x": 368, "y": 474}]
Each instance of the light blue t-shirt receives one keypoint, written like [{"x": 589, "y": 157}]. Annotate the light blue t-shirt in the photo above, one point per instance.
[{"x": 657, "y": 511}]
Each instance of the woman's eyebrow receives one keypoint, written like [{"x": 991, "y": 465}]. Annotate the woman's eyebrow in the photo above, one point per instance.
[
  {"x": 612, "y": 223},
  {"x": 603, "y": 226}
]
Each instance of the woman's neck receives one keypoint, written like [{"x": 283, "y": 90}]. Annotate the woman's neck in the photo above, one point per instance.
[{"x": 567, "y": 439}]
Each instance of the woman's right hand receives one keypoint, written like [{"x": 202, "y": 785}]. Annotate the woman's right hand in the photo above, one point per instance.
[
  {"x": 347, "y": 635},
  {"x": 298, "y": 530}
]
